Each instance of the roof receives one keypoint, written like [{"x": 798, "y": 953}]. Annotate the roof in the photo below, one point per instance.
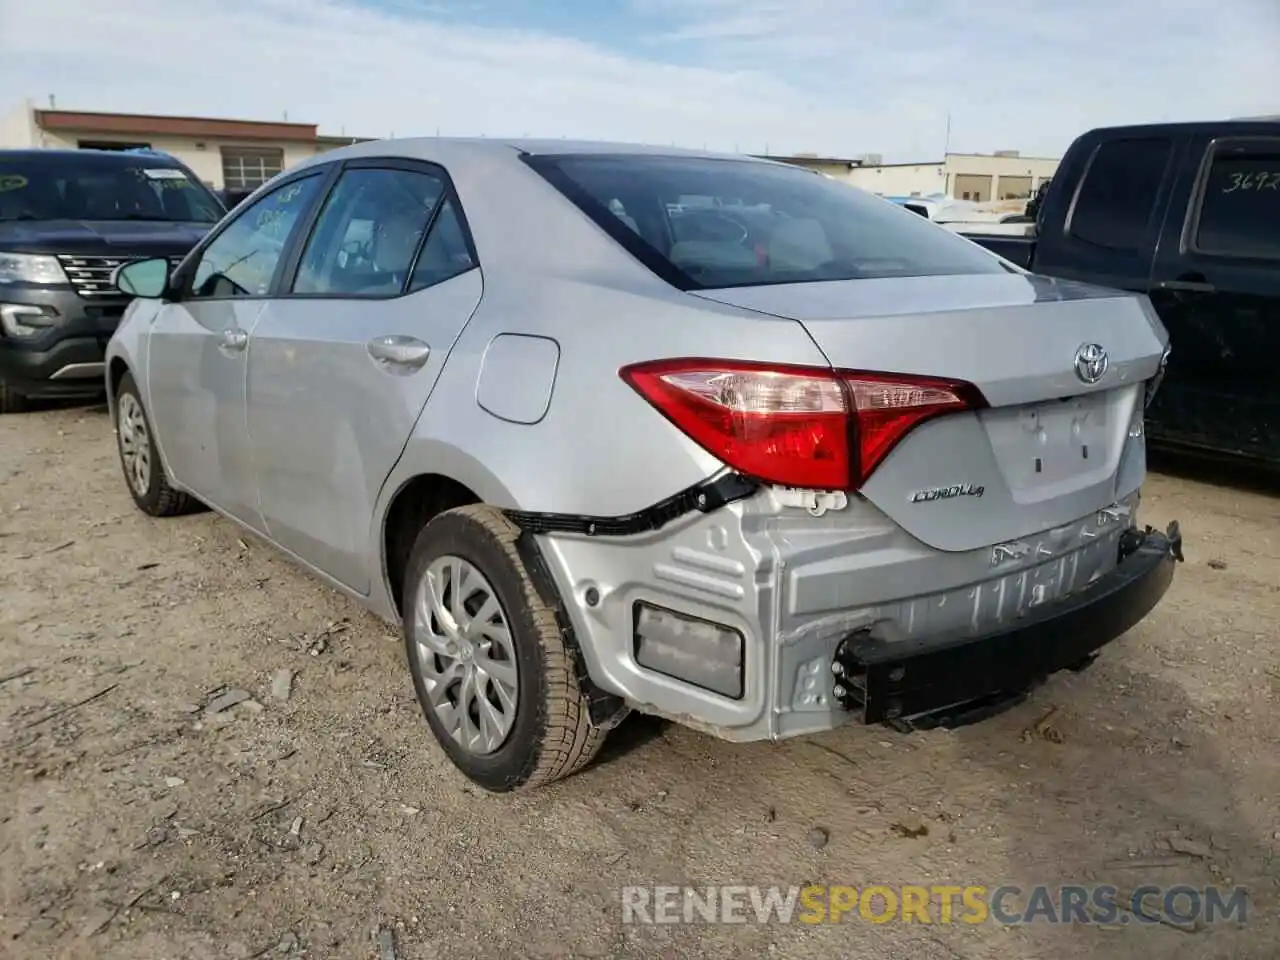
[
  {"x": 1267, "y": 125},
  {"x": 141, "y": 124},
  {"x": 451, "y": 149},
  {"x": 45, "y": 155},
  {"x": 799, "y": 159},
  {"x": 342, "y": 141},
  {"x": 551, "y": 147}
]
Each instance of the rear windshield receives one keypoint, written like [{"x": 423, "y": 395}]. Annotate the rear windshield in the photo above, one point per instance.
[
  {"x": 706, "y": 223},
  {"x": 62, "y": 187}
]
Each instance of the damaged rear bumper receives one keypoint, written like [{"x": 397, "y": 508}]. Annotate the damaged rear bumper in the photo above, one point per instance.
[{"x": 953, "y": 680}]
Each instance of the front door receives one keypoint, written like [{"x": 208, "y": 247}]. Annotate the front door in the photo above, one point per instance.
[
  {"x": 1216, "y": 287},
  {"x": 196, "y": 363},
  {"x": 342, "y": 363}
]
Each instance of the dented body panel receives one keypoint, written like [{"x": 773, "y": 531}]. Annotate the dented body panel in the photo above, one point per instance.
[{"x": 797, "y": 585}]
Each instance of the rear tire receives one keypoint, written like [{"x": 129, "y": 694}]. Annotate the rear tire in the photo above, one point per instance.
[
  {"x": 514, "y": 657},
  {"x": 140, "y": 460},
  {"x": 11, "y": 401}
]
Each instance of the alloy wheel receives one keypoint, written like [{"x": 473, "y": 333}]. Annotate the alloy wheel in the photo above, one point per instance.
[
  {"x": 463, "y": 641},
  {"x": 135, "y": 444}
]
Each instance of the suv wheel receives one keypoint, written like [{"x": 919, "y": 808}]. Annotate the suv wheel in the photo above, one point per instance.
[
  {"x": 139, "y": 459},
  {"x": 11, "y": 401},
  {"x": 492, "y": 671}
]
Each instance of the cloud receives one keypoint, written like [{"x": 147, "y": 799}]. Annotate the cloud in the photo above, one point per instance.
[{"x": 829, "y": 76}]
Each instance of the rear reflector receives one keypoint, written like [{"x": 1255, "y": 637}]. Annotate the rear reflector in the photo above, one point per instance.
[
  {"x": 696, "y": 651},
  {"x": 808, "y": 427}
]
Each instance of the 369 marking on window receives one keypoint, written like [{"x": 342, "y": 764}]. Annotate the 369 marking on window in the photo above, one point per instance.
[{"x": 1265, "y": 180}]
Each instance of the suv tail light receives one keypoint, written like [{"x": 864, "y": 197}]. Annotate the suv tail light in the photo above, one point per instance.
[{"x": 794, "y": 426}]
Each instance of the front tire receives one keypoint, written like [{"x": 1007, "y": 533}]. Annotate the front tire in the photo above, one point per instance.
[
  {"x": 11, "y": 401},
  {"x": 140, "y": 460},
  {"x": 492, "y": 671}
]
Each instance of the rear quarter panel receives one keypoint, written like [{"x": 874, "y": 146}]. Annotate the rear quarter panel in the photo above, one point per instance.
[
  {"x": 1017, "y": 250},
  {"x": 600, "y": 449}
]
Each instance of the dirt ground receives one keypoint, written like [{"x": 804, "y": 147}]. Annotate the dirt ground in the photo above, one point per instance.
[{"x": 135, "y": 825}]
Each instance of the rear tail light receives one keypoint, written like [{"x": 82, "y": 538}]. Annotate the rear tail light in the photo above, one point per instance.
[{"x": 795, "y": 426}]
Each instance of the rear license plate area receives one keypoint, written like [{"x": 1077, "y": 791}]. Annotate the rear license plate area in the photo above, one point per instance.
[{"x": 1045, "y": 444}]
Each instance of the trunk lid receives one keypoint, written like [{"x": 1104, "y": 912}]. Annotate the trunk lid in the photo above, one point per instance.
[{"x": 1051, "y": 449}]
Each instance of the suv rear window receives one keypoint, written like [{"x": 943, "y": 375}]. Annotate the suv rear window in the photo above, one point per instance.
[
  {"x": 704, "y": 223},
  {"x": 90, "y": 187}
]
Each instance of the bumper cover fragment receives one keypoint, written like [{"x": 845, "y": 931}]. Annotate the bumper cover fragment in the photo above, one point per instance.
[{"x": 950, "y": 681}]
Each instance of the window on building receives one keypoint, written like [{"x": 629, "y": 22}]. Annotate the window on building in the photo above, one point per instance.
[
  {"x": 1114, "y": 203},
  {"x": 247, "y": 168},
  {"x": 1240, "y": 207},
  {"x": 1015, "y": 188}
]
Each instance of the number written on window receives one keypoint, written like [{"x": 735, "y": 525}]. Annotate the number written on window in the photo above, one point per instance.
[
  {"x": 1260, "y": 180},
  {"x": 1240, "y": 212},
  {"x": 241, "y": 261}
]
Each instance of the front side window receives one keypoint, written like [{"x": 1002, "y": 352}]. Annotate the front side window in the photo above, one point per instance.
[
  {"x": 242, "y": 259},
  {"x": 366, "y": 236},
  {"x": 1116, "y": 200},
  {"x": 102, "y": 188},
  {"x": 1240, "y": 207},
  {"x": 704, "y": 223}
]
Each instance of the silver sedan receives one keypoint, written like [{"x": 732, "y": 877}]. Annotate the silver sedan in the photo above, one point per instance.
[{"x": 612, "y": 428}]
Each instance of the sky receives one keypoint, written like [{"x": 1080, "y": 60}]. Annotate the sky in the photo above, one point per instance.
[{"x": 831, "y": 77}]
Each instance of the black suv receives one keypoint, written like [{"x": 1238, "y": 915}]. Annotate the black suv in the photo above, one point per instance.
[{"x": 68, "y": 220}]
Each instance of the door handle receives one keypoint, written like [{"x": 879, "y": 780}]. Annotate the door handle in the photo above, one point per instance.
[
  {"x": 398, "y": 353},
  {"x": 233, "y": 338},
  {"x": 1186, "y": 286}
]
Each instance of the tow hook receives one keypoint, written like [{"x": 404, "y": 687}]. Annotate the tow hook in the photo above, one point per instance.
[{"x": 1134, "y": 539}]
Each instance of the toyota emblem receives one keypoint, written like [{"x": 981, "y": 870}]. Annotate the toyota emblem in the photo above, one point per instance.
[{"x": 1091, "y": 362}]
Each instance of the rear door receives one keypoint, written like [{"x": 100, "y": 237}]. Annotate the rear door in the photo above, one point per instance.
[
  {"x": 1107, "y": 235},
  {"x": 342, "y": 363},
  {"x": 1216, "y": 285}
]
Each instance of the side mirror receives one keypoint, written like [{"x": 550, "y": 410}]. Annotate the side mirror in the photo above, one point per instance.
[{"x": 144, "y": 278}]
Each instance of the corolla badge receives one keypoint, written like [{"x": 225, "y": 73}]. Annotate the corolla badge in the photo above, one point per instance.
[
  {"x": 946, "y": 493},
  {"x": 1091, "y": 362}
]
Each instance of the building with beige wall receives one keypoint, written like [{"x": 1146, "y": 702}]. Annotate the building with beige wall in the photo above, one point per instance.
[
  {"x": 235, "y": 155},
  {"x": 983, "y": 177}
]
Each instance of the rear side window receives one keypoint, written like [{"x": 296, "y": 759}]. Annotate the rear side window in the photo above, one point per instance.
[
  {"x": 1114, "y": 203},
  {"x": 1240, "y": 207},
  {"x": 446, "y": 252},
  {"x": 703, "y": 223}
]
